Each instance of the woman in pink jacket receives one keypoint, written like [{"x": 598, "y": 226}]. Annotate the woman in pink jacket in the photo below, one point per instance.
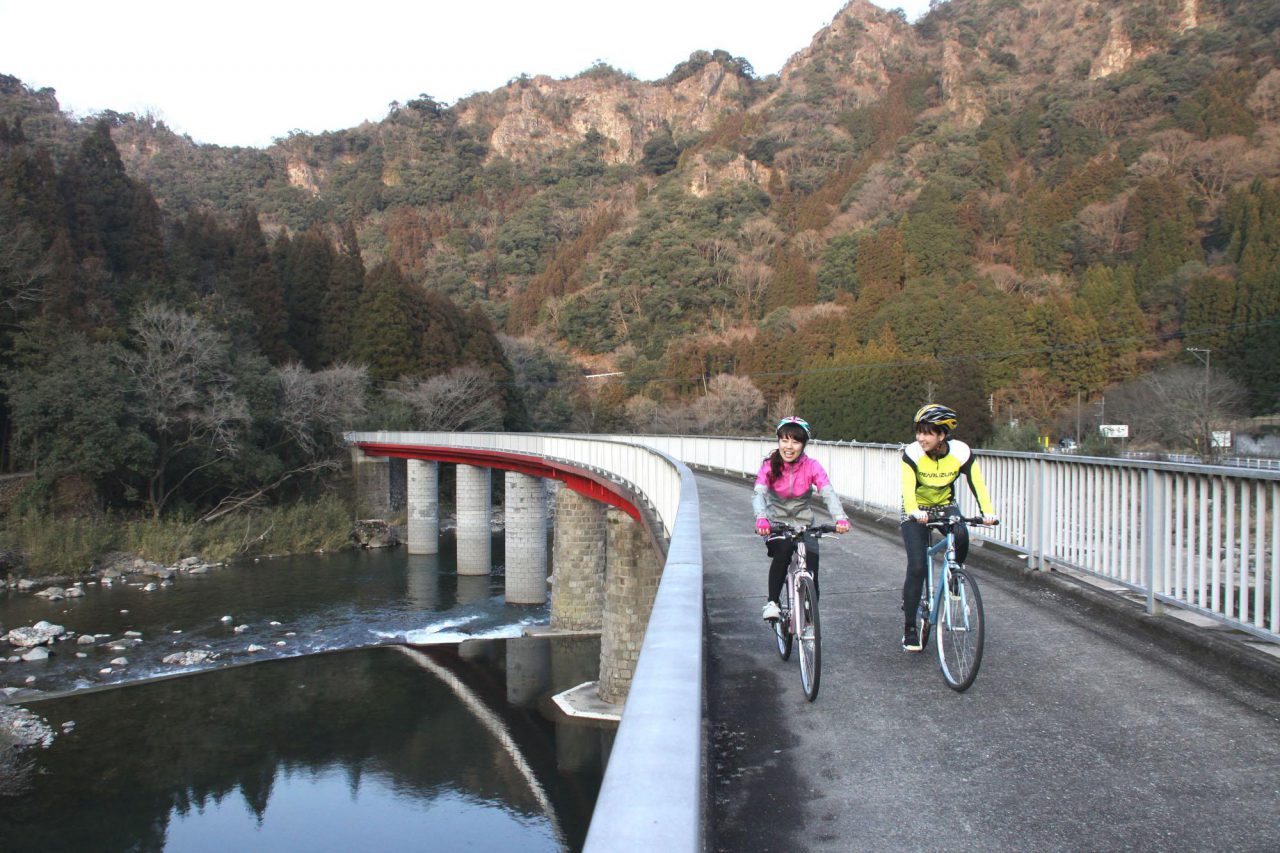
[{"x": 784, "y": 488}]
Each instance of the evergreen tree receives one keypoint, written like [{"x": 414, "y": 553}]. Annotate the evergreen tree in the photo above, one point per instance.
[
  {"x": 660, "y": 153},
  {"x": 346, "y": 282},
  {"x": 1159, "y": 214},
  {"x": 932, "y": 235},
  {"x": 114, "y": 214},
  {"x": 838, "y": 272},
  {"x": 793, "y": 281},
  {"x": 444, "y": 330},
  {"x": 256, "y": 285},
  {"x": 388, "y": 325},
  {"x": 867, "y": 395},
  {"x": 306, "y": 282},
  {"x": 1106, "y": 297},
  {"x": 1070, "y": 351}
]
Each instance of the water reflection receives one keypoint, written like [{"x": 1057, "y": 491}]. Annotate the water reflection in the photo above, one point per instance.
[{"x": 383, "y": 747}]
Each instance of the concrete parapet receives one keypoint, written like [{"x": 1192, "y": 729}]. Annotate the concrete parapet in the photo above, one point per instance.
[
  {"x": 526, "y": 539},
  {"x": 631, "y": 583},
  {"x": 578, "y": 557}
]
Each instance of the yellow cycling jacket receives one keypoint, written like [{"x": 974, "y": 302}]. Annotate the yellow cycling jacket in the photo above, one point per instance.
[{"x": 929, "y": 482}]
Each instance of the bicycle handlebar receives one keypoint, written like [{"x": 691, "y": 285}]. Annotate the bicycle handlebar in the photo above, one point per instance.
[
  {"x": 786, "y": 531},
  {"x": 948, "y": 520}
]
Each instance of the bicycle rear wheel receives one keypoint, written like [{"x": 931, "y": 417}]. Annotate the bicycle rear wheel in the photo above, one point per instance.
[
  {"x": 961, "y": 631},
  {"x": 782, "y": 625},
  {"x": 810, "y": 639},
  {"x": 782, "y": 635}
]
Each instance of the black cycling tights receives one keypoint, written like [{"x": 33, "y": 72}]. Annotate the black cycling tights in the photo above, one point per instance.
[{"x": 781, "y": 551}]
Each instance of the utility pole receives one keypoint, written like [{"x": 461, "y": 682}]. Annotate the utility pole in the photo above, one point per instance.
[
  {"x": 1202, "y": 353},
  {"x": 1078, "y": 395}
]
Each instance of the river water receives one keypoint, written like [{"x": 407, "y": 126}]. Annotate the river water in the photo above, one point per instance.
[{"x": 391, "y": 704}]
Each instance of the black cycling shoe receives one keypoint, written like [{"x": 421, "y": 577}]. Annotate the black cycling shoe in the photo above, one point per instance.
[{"x": 910, "y": 639}]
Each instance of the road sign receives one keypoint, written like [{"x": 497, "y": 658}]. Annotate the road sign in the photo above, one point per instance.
[{"x": 1114, "y": 430}]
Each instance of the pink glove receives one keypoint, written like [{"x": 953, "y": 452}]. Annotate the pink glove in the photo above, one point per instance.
[
  {"x": 842, "y": 525},
  {"x": 762, "y": 526}
]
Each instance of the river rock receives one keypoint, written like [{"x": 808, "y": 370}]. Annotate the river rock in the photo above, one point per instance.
[
  {"x": 74, "y": 592},
  {"x": 86, "y": 640},
  {"x": 254, "y": 647},
  {"x": 119, "y": 661},
  {"x": 23, "y": 727},
  {"x": 188, "y": 658},
  {"x": 374, "y": 533},
  {"x": 38, "y": 634},
  {"x": 35, "y": 654},
  {"x": 53, "y": 593},
  {"x": 150, "y": 588}
]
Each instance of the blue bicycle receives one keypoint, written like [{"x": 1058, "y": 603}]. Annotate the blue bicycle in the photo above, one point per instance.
[{"x": 951, "y": 601}]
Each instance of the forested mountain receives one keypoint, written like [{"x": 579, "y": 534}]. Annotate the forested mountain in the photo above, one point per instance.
[{"x": 1014, "y": 206}]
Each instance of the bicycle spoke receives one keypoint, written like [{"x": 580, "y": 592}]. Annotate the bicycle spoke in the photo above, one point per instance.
[
  {"x": 960, "y": 631},
  {"x": 810, "y": 639}
]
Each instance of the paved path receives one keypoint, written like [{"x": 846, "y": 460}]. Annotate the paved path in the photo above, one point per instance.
[{"x": 1079, "y": 734}]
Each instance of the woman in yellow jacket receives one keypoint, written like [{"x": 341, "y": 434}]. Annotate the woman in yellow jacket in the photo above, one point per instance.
[{"x": 930, "y": 467}]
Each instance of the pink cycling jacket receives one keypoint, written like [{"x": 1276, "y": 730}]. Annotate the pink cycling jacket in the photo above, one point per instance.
[{"x": 788, "y": 499}]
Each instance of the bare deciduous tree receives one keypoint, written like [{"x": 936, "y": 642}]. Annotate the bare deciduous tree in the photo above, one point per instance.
[
  {"x": 1215, "y": 165},
  {"x": 186, "y": 402},
  {"x": 784, "y": 406},
  {"x": 732, "y": 406},
  {"x": 22, "y": 265},
  {"x": 1035, "y": 397},
  {"x": 750, "y": 281},
  {"x": 1265, "y": 100},
  {"x": 1102, "y": 226},
  {"x": 316, "y": 407},
  {"x": 1167, "y": 153},
  {"x": 1178, "y": 407},
  {"x": 313, "y": 411},
  {"x": 465, "y": 399}
]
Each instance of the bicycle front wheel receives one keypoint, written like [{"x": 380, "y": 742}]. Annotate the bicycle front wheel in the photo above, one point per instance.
[
  {"x": 810, "y": 639},
  {"x": 960, "y": 631}
]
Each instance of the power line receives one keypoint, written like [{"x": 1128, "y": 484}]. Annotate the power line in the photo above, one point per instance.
[{"x": 898, "y": 363}]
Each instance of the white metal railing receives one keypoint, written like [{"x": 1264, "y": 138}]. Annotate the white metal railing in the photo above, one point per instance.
[{"x": 1205, "y": 538}]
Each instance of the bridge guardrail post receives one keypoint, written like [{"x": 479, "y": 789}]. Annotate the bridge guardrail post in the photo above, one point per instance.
[
  {"x": 1035, "y": 514},
  {"x": 1152, "y": 514}
]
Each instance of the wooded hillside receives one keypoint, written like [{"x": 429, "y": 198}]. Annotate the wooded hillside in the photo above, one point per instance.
[{"x": 1019, "y": 208}]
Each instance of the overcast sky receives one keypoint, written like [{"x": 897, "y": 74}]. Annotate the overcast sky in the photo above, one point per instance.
[{"x": 236, "y": 72}]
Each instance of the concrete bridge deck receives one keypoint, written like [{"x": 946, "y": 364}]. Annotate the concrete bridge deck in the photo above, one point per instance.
[{"x": 1082, "y": 732}]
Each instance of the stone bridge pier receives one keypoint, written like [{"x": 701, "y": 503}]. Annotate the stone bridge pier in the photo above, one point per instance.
[{"x": 604, "y": 567}]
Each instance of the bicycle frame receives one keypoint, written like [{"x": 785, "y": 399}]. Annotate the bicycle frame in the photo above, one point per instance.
[{"x": 946, "y": 544}]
